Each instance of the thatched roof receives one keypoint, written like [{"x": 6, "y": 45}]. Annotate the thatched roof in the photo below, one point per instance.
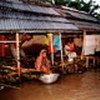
[{"x": 17, "y": 16}]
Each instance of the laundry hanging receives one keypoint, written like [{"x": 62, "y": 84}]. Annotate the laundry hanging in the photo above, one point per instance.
[
  {"x": 97, "y": 43},
  {"x": 56, "y": 42},
  {"x": 49, "y": 42},
  {"x": 90, "y": 45},
  {"x": 3, "y": 46}
]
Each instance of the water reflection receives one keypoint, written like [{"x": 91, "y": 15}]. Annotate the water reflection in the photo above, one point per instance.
[{"x": 71, "y": 87}]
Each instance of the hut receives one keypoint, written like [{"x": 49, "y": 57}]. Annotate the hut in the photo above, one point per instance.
[
  {"x": 17, "y": 18},
  {"x": 89, "y": 28}
]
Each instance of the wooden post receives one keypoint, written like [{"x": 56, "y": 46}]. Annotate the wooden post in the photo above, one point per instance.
[
  {"x": 3, "y": 46},
  {"x": 87, "y": 62},
  {"x": 61, "y": 48},
  {"x": 84, "y": 43},
  {"x": 51, "y": 47},
  {"x": 18, "y": 54}
]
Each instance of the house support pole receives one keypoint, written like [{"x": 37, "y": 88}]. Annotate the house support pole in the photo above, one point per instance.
[
  {"x": 61, "y": 48},
  {"x": 18, "y": 54},
  {"x": 52, "y": 50},
  {"x": 84, "y": 44}
]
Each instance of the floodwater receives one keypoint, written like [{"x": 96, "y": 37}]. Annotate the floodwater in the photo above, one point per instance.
[{"x": 84, "y": 86}]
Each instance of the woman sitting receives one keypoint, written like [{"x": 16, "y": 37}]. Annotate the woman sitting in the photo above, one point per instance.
[{"x": 42, "y": 63}]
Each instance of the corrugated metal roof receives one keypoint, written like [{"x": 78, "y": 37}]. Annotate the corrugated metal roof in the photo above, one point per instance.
[
  {"x": 29, "y": 8},
  {"x": 18, "y": 15},
  {"x": 86, "y": 25},
  {"x": 82, "y": 16},
  {"x": 19, "y": 20},
  {"x": 73, "y": 9},
  {"x": 44, "y": 10},
  {"x": 17, "y": 24},
  {"x": 76, "y": 14},
  {"x": 80, "y": 19},
  {"x": 14, "y": 1}
]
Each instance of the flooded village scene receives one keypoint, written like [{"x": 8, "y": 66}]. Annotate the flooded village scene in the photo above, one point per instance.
[{"x": 49, "y": 49}]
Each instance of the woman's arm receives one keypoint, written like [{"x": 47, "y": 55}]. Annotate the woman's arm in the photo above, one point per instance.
[{"x": 38, "y": 64}]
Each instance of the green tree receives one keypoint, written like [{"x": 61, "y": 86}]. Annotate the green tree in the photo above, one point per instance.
[
  {"x": 75, "y": 4},
  {"x": 98, "y": 16},
  {"x": 89, "y": 6}
]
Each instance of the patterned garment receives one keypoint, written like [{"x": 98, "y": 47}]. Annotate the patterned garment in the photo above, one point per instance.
[{"x": 42, "y": 64}]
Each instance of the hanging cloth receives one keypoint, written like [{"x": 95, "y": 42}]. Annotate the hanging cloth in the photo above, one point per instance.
[
  {"x": 90, "y": 47},
  {"x": 47, "y": 40},
  {"x": 56, "y": 42},
  {"x": 3, "y": 46},
  {"x": 51, "y": 44}
]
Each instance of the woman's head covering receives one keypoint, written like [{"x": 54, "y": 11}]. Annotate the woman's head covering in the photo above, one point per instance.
[{"x": 43, "y": 51}]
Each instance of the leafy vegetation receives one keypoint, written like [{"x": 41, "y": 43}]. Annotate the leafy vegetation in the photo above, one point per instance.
[{"x": 89, "y": 7}]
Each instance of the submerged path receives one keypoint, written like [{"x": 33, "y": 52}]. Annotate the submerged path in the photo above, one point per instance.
[{"x": 71, "y": 87}]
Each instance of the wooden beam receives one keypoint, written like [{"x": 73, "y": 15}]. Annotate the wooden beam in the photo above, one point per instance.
[
  {"x": 23, "y": 70},
  {"x": 52, "y": 50},
  {"x": 84, "y": 43},
  {"x": 18, "y": 54}
]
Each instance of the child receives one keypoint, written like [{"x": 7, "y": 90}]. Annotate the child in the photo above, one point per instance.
[{"x": 69, "y": 50}]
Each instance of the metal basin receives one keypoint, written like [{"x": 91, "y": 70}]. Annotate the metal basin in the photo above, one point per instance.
[{"x": 51, "y": 78}]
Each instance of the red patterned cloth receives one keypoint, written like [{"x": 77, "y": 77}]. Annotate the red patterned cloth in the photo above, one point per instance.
[{"x": 42, "y": 64}]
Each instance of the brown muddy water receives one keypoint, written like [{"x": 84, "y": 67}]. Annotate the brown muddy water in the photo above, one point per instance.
[{"x": 84, "y": 86}]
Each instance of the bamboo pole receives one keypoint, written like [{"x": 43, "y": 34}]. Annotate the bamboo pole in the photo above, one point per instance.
[
  {"x": 84, "y": 43},
  {"x": 6, "y": 42},
  {"x": 23, "y": 70},
  {"x": 18, "y": 54},
  {"x": 52, "y": 51},
  {"x": 61, "y": 48}
]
